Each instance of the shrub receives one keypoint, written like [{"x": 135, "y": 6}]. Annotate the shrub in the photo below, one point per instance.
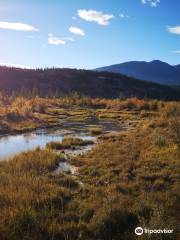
[
  {"x": 13, "y": 116},
  {"x": 171, "y": 110},
  {"x": 174, "y": 125},
  {"x": 38, "y": 105}
]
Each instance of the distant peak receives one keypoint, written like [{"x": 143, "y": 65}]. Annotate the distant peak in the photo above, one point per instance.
[{"x": 158, "y": 62}]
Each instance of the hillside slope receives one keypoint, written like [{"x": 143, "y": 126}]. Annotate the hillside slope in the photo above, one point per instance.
[{"x": 91, "y": 83}]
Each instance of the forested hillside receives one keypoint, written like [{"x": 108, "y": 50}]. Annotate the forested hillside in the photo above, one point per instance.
[{"x": 95, "y": 84}]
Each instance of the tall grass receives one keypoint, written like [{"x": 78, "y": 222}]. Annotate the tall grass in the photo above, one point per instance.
[
  {"x": 14, "y": 108},
  {"x": 129, "y": 179},
  {"x": 29, "y": 198}
]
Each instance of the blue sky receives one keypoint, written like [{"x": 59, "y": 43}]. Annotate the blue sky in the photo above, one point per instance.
[{"x": 88, "y": 33}]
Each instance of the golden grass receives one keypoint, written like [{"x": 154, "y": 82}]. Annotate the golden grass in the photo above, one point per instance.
[
  {"x": 96, "y": 131},
  {"x": 68, "y": 143},
  {"x": 129, "y": 179},
  {"x": 20, "y": 114}
]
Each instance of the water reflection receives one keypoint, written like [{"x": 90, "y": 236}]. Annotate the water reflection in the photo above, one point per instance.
[
  {"x": 11, "y": 145},
  {"x": 15, "y": 144}
]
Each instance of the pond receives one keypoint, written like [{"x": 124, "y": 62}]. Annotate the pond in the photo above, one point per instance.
[{"x": 14, "y": 144}]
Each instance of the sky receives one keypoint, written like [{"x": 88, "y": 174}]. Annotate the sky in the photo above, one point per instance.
[{"x": 88, "y": 33}]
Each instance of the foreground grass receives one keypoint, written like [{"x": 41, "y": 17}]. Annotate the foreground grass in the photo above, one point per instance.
[
  {"x": 29, "y": 197},
  {"x": 129, "y": 179}
]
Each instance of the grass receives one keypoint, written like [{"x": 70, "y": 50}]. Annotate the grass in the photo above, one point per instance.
[
  {"x": 159, "y": 140},
  {"x": 129, "y": 179},
  {"x": 21, "y": 114},
  {"x": 68, "y": 143},
  {"x": 28, "y": 194},
  {"x": 134, "y": 177},
  {"x": 96, "y": 131},
  {"x": 39, "y": 161}
]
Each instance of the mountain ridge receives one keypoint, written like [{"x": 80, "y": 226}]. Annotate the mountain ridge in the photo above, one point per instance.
[{"x": 154, "y": 71}]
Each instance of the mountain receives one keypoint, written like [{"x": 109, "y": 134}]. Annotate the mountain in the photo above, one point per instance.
[
  {"x": 154, "y": 71},
  {"x": 91, "y": 83},
  {"x": 177, "y": 66}
]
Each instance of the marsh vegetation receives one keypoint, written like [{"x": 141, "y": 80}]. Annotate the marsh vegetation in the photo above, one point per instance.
[
  {"x": 68, "y": 143},
  {"x": 129, "y": 178}
]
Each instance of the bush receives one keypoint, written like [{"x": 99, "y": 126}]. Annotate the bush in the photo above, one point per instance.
[
  {"x": 171, "y": 110},
  {"x": 13, "y": 116},
  {"x": 174, "y": 125}
]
